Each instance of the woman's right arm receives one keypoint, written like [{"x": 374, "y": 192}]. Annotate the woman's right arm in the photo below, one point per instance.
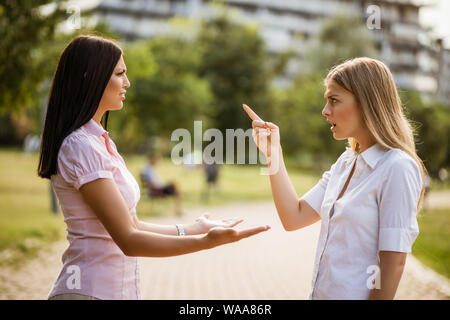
[
  {"x": 293, "y": 212},
  {"x": 105, "y": 199}
]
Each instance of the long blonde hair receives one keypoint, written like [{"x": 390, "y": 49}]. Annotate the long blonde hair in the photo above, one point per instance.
[{"x": 372, "y": 84}]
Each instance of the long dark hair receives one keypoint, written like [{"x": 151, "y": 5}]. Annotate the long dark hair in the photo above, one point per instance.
[{"x": 83, "y": 72}]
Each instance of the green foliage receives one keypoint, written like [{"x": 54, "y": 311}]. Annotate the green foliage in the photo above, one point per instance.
[
  {"x": 26, "y": 222},
  {"x": 8, "y": 134},
  {"x": 304, "y": 133},
  {"x": 341, "y": 37},
  {"x": 234, "y": 61},
  {"x": 432, "y": 246},
  {"x": 165, "y": 93},
  {"x": 431, "y": 121},
  {"x": 39, "y": 58},
  {"x": 25, "y": 34},
  {"x": 22, "y": 29},
  {"x": 139, "y": 60},
  {"x": 25, "y": 210},
  {"x": 176, "y": 80}
]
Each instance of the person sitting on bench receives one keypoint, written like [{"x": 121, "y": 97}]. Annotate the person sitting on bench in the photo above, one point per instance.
[{"x": 155, "y": 186}]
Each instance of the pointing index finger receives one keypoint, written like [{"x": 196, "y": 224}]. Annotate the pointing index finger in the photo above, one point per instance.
[{"x": 251, "y": 113}]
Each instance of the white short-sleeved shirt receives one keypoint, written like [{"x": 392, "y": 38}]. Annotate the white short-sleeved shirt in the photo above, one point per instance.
[{"x": 376, "y": 213}]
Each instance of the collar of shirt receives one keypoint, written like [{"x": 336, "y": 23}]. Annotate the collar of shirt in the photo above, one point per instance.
[
  {"x": 371, "y": 156},
  {"x": 94, "y": 128}
]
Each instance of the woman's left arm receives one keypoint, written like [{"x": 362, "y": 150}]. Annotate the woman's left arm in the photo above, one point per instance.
[{"x": 391, "y": 270}]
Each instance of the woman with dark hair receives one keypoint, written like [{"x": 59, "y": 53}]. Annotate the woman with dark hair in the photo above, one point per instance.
[{"x": 97, "y": 193}]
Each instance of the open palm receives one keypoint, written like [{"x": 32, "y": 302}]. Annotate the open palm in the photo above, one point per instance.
[
  {"x": 219, "y": 235},
  {"x": 205, "y": 224}
]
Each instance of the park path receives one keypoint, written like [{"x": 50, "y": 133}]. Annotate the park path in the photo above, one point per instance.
[{"x": 272, "y": 265}]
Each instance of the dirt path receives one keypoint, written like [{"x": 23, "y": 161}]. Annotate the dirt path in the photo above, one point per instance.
[{"x": 273, "y": 265}]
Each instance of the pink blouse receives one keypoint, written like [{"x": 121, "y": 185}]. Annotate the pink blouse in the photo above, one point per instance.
[{"x": 93, "y": 264}]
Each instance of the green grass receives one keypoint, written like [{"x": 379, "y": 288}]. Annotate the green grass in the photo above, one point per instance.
[
  {"x": 437, "y": 185},
  {"x": 236, "y": 183},
  {"x": 26, "y": 221},
  {"x": 432, "y": 246}
]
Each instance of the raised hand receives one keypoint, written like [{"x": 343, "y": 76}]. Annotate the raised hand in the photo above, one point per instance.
[
  {"x": 219, "y": 235},
  {"x": 267, "y": 137}
]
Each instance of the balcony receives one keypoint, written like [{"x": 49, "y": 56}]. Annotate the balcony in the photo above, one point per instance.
[
  {"x": 414, "y": 81},
  {"x": 407, "y": 32},
  {"x": 306, "y": 7},
  {"x": 291, "y": 22},
  {"x": 139, "y": 7}
]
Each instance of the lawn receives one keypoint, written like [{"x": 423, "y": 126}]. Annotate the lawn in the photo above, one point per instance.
[
  {"x": 432, "y": 246},
  {"x": 26, "y": 221},
  {"x": 236, "y": 183}
]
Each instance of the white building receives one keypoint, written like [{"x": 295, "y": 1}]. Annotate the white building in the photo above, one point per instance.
[{"x": 417, "y": 61}]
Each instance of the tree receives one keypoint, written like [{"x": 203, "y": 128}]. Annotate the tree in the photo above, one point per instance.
[
  {"x": 23, "y": 27},
  {"x": 431, "y": 121},
  {"x": 304, "y": 132},
  {"x": 305, "y": 135},
  {"x": 165, "y": 93},
  {"x": 235, "y": 63},
  {"x": 30, "y": 50},
  {"x": 341, "y": 37}
]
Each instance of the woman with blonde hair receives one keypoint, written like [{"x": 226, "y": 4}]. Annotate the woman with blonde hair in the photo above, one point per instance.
[{"x": 368, "y": 200}]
